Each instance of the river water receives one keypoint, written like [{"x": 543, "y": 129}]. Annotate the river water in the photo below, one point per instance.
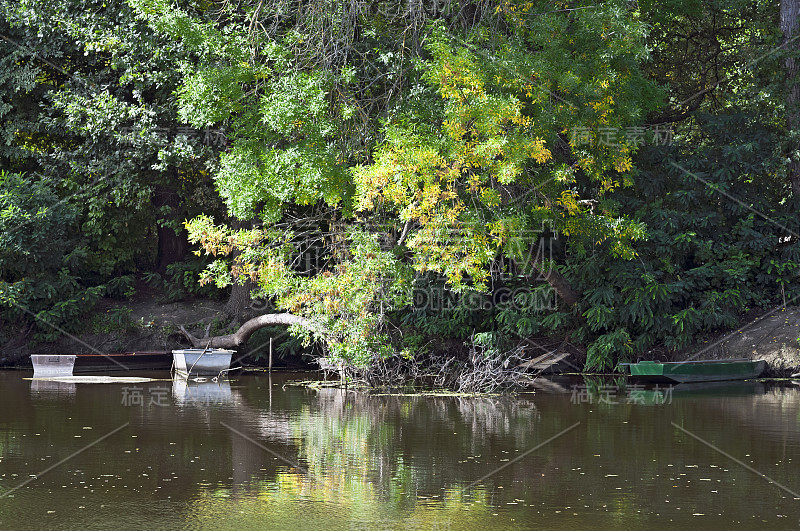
[{"x": 258, "y": 453}]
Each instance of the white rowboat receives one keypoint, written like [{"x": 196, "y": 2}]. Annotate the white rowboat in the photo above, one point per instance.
[{"x": 199, "y": 361}]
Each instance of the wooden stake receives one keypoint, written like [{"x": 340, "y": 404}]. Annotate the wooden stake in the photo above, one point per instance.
[{"x": 270, "y": 354}]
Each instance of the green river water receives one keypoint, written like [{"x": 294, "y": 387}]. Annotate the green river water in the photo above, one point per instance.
[{"x": 255, "y": 453}]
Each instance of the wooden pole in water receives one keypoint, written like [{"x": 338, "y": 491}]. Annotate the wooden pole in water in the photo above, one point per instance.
[{"x": 270, "y": 354}]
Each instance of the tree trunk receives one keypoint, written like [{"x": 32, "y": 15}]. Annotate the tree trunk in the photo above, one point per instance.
[
  {"x": 790, "y": 9},
  {"x": 172, "y": 246},
  {"x": 559, "y": 283},
  {"x": 540, "y": 259},
  {"x": 239, "y": 300},
  {"x": 241, "y": 336}
]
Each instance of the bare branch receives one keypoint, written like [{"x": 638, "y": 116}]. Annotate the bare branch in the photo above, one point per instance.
[{"x": 244, "y": 332}]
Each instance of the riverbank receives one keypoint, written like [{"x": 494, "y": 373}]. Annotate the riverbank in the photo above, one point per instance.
[
  {"x": 773, "y": 336},
  {"x": 145, "y": 324}
]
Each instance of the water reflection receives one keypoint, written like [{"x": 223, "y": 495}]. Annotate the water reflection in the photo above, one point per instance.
[
  {"x": 52, "y": 389},
  {"x": 254, "y": 452},
  {"x": 203, "y": 393},
  {"x": 716, "y": 389}
]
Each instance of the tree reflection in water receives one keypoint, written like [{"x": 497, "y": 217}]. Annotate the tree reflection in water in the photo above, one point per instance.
[{"x": 343, "y": 459}]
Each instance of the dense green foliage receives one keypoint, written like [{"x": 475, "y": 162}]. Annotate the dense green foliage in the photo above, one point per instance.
[
  {"x": 405, "y": 175},
  {"x": 100, "y": 169}
]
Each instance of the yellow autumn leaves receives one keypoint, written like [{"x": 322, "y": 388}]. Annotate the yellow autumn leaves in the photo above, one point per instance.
[
  {"x": 486, "y": 137},
  {"x": 434, "y": 174},
  {"x": 483, "y": 139}
]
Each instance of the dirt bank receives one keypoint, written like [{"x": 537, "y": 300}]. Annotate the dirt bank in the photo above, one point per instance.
[
  {"x": 150, "y": 325},
  {"x": 773, "y": 336},
  {"x": 123, "y": 326}
]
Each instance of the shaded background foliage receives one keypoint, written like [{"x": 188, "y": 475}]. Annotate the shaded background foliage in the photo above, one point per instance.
[{"x": 89, "y": 125}]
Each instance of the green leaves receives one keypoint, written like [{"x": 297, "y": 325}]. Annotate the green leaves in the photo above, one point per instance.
[
  {"x": 607, "y": 348},
  {"x": 37, "y": 259},
  {"x": 458, "y": 144},
  {"x": 598, "y": 317},
  {"x": 349, "y": 301},
  {"x": 92, "y": 122},
  {"x": 209, "y": 96},
  {"x": 391, "y": 149},
  {"x": 34, "y": 228}
]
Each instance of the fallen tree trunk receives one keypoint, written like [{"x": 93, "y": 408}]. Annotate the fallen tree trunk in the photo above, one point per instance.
[{"x": 244, "y": 332}]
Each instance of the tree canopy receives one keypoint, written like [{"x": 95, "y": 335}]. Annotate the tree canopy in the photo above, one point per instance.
[{"x": 618, "y": 174}]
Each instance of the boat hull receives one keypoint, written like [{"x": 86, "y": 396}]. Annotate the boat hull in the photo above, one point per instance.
[
  {"x": 67, "y": 364},
  {"x": 209, "y": 362},
  {"x": 697, "y": 371},
  {"x": 45, "y": 365},
  {"x": 127, "y": 361}
]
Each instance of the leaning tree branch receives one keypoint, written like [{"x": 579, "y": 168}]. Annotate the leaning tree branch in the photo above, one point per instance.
[
  {"x": 244, "y": 332},
  {"x": 557, "y": 281}
]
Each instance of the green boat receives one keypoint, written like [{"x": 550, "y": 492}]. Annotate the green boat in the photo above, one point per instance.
[{"x": 696, "y": 371}]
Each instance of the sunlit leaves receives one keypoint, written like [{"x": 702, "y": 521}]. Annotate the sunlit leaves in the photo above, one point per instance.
[
  {"x": 470, "y": 150},
  {"x": 429, "y": 173},
  {"x": 347, "y": 301}
]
